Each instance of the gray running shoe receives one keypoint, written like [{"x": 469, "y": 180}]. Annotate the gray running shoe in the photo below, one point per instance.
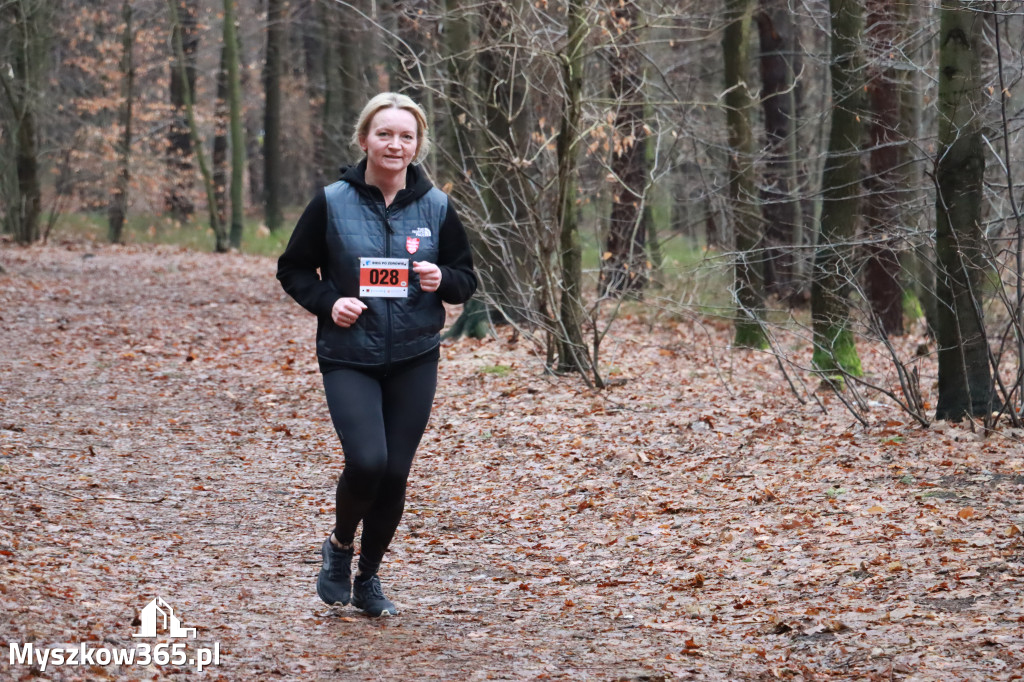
[
  {"x": 334, "y": 584},
  {"x": 367, "y": 595}
]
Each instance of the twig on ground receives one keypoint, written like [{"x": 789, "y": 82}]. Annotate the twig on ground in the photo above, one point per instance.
[{"x": 91, "y": 498}]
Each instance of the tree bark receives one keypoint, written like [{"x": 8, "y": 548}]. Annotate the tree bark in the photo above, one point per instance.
[
  {"x": 220, "y": 235},
  {"x": 405, "y": 61},
  {"x": 118, "y": 208},
  {"x": 502, "y": 89},
  {"x": 965, "y": 378},
  {"x": 572, "y": 352},
  {"x": 178, "y": 201},
  {"x": 457, "y": 134},
  {"x": 220, "y": 139},
  {"x": 464, "y": 164},
  {"x": 342, "y": 69},
  {"x": 276, "y": 40},
  {"x": 624, "y": 269},
  {"x": 918, "y": 262},
  {"x": 29, "y": 191},
  {"x": 780, "y": 206},
  {"x": 884, "y": 184},
  {"x": 231, "y": 56},
  {"x": 22, "y": 83},
  {"x": 748, "y": 280},
  {"x": 834, "y": 349}
]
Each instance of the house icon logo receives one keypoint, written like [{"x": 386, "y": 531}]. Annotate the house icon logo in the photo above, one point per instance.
[{"x": 158, "y": 615}]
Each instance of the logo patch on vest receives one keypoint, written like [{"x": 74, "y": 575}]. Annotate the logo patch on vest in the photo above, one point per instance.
[
  {"x": 422, "y": 232},
  {"x": 412, "y": 244}
]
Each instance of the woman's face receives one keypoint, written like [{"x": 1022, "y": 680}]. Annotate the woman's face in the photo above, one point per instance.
[{"x": 391, "y": 140}]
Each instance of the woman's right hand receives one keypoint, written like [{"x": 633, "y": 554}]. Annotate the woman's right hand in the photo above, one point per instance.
[{"x": 346, "y": 311}]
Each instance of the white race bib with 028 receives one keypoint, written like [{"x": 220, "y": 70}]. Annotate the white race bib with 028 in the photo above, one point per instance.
[{"x": 384, "y": 277}]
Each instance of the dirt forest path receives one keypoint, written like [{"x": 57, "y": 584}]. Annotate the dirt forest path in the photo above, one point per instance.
[{"x": 163, "y": 434}]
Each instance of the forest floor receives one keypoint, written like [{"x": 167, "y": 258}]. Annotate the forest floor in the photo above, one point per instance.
[{"x": 163, "y": 434}]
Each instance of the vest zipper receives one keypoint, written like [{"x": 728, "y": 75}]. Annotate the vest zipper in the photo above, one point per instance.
[{"x": 387, "y": 301}]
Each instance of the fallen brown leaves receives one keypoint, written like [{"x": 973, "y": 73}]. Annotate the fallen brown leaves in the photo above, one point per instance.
[{"x": 163, "y": 433}]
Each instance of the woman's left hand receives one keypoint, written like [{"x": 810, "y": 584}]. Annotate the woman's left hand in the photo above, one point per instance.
[{"x": 430, "y": 275}]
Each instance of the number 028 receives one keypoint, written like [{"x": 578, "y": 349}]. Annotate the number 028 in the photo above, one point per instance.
[{"x": 383, "y": 277}]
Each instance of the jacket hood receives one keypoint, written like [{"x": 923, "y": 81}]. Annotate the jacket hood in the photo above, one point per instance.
[{"x": 416, "y": 182}]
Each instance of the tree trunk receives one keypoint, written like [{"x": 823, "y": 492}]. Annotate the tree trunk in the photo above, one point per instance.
[
  {"x": 572, "y": 353},
  {"x": 834, "y": 349},
  {"x": 231, "y": 56},
  {"x": 474, "y": 322},
  {"x": 216, "y": 225},
  {"x": 917, "y": 262},
  {"x": 884, "y": 185},
  {"x": 408, "y": 63},
  {"x": 749, "y": 282},
  {"x": 29, "y": 190},
  {"x": 482, "y": 136},
  {"x": 780, "y": 206},
  {"x": 276, "y": 40},
  {"x": 460, "y": 140},
  {"x": 252, "y": 123},
  {"x": 342, "y": 70},
  {"x": 184, "y": 31},
  {"x": 624, "y": 268},
  {"x": 220, "y": 139},
  {"x": 22, "y": 81},
  {"x": 456, "y": 132},
  {"x": 504, "y": 137},
  {"x": 405, "y": 62},
  {"x": 118, "y": 207},
  {"x": 965, "y": 378}
]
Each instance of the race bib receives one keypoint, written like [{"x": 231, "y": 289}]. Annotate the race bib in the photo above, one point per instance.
[{"x": 384, "y": 277}]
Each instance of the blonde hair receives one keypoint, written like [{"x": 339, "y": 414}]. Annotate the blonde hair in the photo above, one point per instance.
[{"x": 393, "y": 100}]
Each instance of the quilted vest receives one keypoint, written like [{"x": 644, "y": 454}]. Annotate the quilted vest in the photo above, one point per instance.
[{"x": 390, "y": 329}]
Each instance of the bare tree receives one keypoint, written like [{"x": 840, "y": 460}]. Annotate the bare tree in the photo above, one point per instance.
[
  {"x": 779, "y": 99},
  {"x": 272, "y": 66},
  {"x": 884, "y": 182},
  {"x": 184, "y": 31},
  {"x": 1007, "y": 33},
  {"x": 118, "y": 208},
  {"x": 965, "y": 378},
  {"x": 219, "y": 154},
  {"x": 624, "y": 265},
  {"x": 572, "y": 353},
  {"x": 915, "y": 220},
  {"x": 460, "y": 139},
  {"x": 342, "y": 71},
  {"x": 835, "y": 352},
  {"x": 231, "y": 57},
  {"x": 488, "y": 132},
  {"x": 220, "y": 234},
  {"x": 24, "y": 30},
  {"x": 749, "y": 268}
]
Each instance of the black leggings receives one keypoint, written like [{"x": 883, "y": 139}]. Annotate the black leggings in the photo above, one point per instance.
[{"x": 380, "y": 420}]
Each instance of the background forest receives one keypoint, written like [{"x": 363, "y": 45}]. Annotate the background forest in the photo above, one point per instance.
[
  {"x": 735, "y": 254},
  {"x": 832, "y": 173}
]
